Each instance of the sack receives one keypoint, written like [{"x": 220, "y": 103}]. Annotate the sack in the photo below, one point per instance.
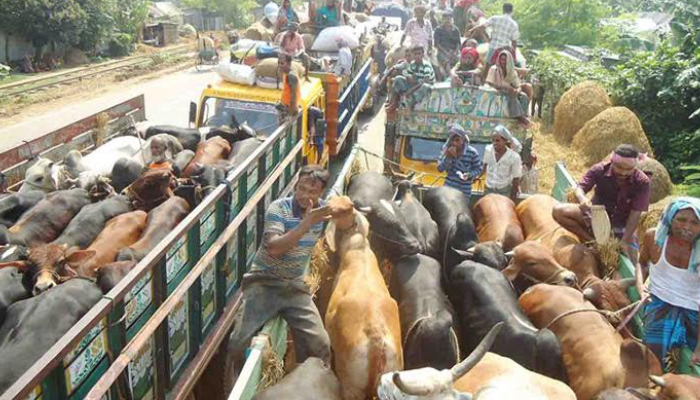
[
  {"x": 267, "y": 51},
  {"x": 326, "y": 39},
  {"x": 267, "y": 68},
  {"x": 268, "y": 82},
  {"x": 236, "y": 73},
  {"x": 258, "y": 31}
]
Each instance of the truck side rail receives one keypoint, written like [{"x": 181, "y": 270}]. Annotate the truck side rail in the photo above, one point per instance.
[
  {"x": 152, "y": 334},
  {"x": 352, "y": 102},
  {"x": 76, "y": 136}
]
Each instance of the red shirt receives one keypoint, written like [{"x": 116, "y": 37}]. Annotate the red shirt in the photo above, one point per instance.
[{"x": 619, "y": 200}]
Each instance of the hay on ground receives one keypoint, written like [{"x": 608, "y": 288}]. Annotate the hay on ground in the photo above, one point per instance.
[
  {"x": 576, "y": 107},
  {"x": 549, "y": 151},
  {"x": 661, "y": 185},
  {"x": 612, "y": 127}
]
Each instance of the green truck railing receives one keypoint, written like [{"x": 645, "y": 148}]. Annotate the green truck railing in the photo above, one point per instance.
[{"x": 151, "y": 336}]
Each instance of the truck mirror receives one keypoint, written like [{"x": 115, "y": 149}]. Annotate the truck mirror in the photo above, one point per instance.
[{"x": 193, "y": 112}]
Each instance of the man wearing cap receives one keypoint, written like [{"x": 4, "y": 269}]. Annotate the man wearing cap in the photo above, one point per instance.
[
  {"x": 502, "y": 164},
  {"x": 460, "y": 160},
  {"x": 621, "y": 187}
]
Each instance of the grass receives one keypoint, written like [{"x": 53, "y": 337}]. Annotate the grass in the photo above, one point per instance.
[{"x": 12, "y": 78}]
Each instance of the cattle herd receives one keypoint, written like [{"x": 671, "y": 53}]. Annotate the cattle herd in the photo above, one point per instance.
[
  {"x": 491, "y": 302},
  {"x": 75, "y": 228}
]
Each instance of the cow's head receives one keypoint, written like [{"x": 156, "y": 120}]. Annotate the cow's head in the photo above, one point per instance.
[
  {"x": 389, "y": 231},
  {"x": 151, "y": 189},
  {"x": 608, "y": 295},
  {"x": 536, "y": 262},
  {"x": 40, "y": 176},
  {"x": 488, "y": 253},
  {"x": 49, "y": 264},
  {"x": 347, "y": 229},
  {"x": 431, "y": 384},
  {"x": 676, "y": 387}
]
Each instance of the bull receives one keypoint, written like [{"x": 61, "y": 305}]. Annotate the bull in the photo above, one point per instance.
[
  {"x": 418, "y": 220},
  {"x": 496, "y": 220},
  {"x": 91, "y": 220}
]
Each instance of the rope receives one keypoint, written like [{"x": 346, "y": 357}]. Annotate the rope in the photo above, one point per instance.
[{"x": 609, "y": 315}]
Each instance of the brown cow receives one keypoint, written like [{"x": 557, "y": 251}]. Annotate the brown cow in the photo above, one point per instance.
[
  {"x": 678, "y": 387},
  {"x": 53, "y": 262},
  {"x": 496, "y": 220},
  {"x": 362, "y": 319},
  {"x": 208, "y": 153},
  {"x": 161, "y": 221},
  {"x": 596, "y": 358},
  {"x": 152, "y": 189},
  {"x": 536, "y": 263}
]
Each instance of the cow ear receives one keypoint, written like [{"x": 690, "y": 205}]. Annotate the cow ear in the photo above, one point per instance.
[
  {"x": 330, "y": 236},
  {"x": 511, "y": 271},
  {"x": 362, "y": 222},
  {"x": 78, "y": 256}
]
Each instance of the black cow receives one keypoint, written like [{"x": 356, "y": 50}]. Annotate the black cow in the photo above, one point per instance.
[
  {"x": 450, "y": 209},
  {"x": 232, "y": 135},
  {"x": 181, "y": 160},
  {"x": 368, "y": 188},
  {"x": 188, "y": 137},
  {"x": 240, "y": 151},
  {"x": 418, "y": 220},
  {"x": 45, "y": 221},
  {"x": 483, "y": 297},
  {"x": 12, "y": 289},
  {"x": 33, "y": 325},
  {"x": 13, "y": 205},
  {"x": 109, "y": 275},
  {"x": 428, "y": 325},
  {"x": 90, "y": 221},
  {"x": 125, "y": 172}
]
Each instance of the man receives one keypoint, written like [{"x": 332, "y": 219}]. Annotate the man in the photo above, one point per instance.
[
  {"x": 414, "y": 83},
  {"x": 343, "y": 67},
  {"x": 468, "y": 71},
  {"x": 504, "y": 33},
  {"x": 291, "y": 92},
  {"x": 460, "y": 160},
  {"x": 419, "y": 30},
  {"x": 159, "y": 156},
  {"x": 328, "y": 15},
  {"x": 502, "y": 165},
  {"x": 290, "y": 41},
  {"x": 447, "y": 41},
  {"x": 621, "y": 187},
  {"x": 275, "y": 284}
]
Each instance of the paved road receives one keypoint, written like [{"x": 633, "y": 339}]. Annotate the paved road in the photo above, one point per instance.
[{"x": 167, "y": 102}]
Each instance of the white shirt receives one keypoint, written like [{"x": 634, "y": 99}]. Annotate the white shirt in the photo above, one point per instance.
[
  {"x": 676, "y": 286},
  {"x": 344, "y": 65},
  {"x": 504, "y": 30},
  {"x": 500, "y": 174}
]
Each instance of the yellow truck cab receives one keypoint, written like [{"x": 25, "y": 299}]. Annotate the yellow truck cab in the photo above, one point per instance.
[{"x": 256, "y": 106}]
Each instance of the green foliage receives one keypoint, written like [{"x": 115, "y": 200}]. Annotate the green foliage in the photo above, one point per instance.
[
  {"x": 99, "y": 23},
  {"x": 130, "y": 16},
  {"x": 121, "y": 44},
  {"x": 558, "y": 22},
  {"x": 43, "y": 21},
  {"x": 236, "y": 12},
  {"x": 4, "y": 71}
]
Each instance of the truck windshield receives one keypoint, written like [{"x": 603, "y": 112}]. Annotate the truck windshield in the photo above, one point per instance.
[
  {"x": 260, "y": 116},
  {"x": 422, "y": 149}
]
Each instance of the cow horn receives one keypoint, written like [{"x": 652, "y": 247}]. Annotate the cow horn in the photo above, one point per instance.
[
  {"x": 465, "y": 253},
  {"x": 462, "y": 368},
  {"x": 510, "y": 254},
  {"x": 365, "y": 209},
  {"x": 406, "y": 388},
  {"x": 627, "y": 282},
  {"x": 657, "y": 380}
]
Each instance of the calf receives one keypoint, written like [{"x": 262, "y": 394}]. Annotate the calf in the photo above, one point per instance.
[
  {"x": 45, "y": 222},
  {"x": 418, "y": 220},
  {"x": 91, "y": 220},
  {"x": 152, "y": 189},
  {"x": 310, "y": 380},
  {"x": 208, "y": 153},
  {"x": 13, "y": 205},
  {"x": 428, "y": 324},
  {"x": 161, "y": 221},
  {"x": 450, "y": 209},
  {"x": 596, "y": 358},
  {"x": 496, "y": 220},
  {"x": 33, "y": 325},
  {"x": 362, "y": 319},
  {"x": 189, "y": 138},
  {"x": 483, "y": 297}
]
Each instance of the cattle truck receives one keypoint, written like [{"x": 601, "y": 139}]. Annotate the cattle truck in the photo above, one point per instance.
[{"x": 152, "y": 336}]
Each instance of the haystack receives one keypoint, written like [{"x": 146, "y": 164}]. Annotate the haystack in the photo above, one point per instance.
[
  {"x": 576, "y": 107},
  {"x": 650, "y": 219},
  {"x": 258, "y": 31},
  {"x": 661, "y": 185},
  {"x": 612, "y": 127}
]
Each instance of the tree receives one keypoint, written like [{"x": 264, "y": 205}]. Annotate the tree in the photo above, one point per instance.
[
  {"x": 236, "y": 12},
  {"x": 99, "y": 23},
  {"x": 43, "y": 21}
]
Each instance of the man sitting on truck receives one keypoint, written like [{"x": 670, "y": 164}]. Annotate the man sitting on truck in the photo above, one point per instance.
[
  {"x": 502, "y": 165},
  {"x": 291, "y": 92},
  {"x": 290, "y": 41},
  {"x": 447, "y": 41},
  {"x": 460, "y": 160},
  {"x": 343, "y": 67},
  {"x": 621, "y": 187},
  {"x": 275, "y": 284},
  {"x": 469, "y": 70},
  {"x": 415, "y": 82}
]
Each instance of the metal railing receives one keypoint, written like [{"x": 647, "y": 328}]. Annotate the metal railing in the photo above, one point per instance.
[{"x": 143, "y": 337}]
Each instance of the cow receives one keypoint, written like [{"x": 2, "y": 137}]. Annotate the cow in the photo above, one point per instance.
[
  {"x": 241, "y": 150},
  {"x": 362, "y": 319},
  {"x": 45, "y": 222},
  {"x": 450, "y": 209},
  {"x": 109, "y": 275},
  {"x": 33, "y": 325},
  {"x": 496, "y": 220},
  {"x": 596, "y": 358},
  {"x": 188, "y": 137},
  {"x": 310, "y": 380},
  {"x": 11, "y": 289},
  {"x": 608, "y": 295},
  {"x": 483, "y": 297},
  {"x": 677, "y": 387},
  {"x": 208, "y": 153},
  {"x": 53, "y": 261},
  {"x": 101, "y": 160},
  {"x": 13, "y": 205},
  {"x": 232, "y": 135},
  {"x": 152, "y": 189},
  {"x": 39, "y": 177},
  {"x": 532, "y": 262},
  {"x": 367, "y": 188},
  {"x": 161, "y": 221},
  {"x": 125, "y": 172},
  {"x": 181, "y": 160},
  {"x": 428, "y": 323},
  {"x": 90, "y": 221},
  {"x": 418, "y": 220}
]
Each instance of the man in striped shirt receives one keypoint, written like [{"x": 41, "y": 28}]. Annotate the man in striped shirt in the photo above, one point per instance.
[
  {"x": 460, "y": 160},
  {"x": 414, "y": 83},
  {"x": 275, "y": 284}
]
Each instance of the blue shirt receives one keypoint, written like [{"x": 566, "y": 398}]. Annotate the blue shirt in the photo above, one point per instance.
[
  {"x": 468, "y": 162},
  {"x": 282, "y": 216}
]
